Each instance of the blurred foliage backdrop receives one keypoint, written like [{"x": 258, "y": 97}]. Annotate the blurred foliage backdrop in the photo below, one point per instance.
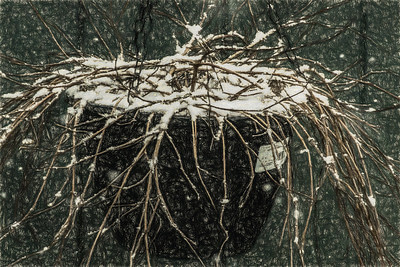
[{"x": 369, "y": 41}]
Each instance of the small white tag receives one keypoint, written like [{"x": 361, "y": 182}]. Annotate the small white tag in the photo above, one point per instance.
[{"x": 265, "y": 160}]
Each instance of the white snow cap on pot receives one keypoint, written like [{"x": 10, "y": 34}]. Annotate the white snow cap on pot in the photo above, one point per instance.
[{"x": 189, "y": 84}]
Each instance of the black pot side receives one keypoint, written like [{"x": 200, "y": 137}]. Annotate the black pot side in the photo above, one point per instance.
[{"x": 195, "y": 217}]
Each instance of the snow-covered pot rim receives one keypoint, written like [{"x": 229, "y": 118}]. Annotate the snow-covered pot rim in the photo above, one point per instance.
[{"x": 232, "y": 89}]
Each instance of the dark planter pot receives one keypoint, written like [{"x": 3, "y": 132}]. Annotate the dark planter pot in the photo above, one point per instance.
[{"x": 196, "y": 217}]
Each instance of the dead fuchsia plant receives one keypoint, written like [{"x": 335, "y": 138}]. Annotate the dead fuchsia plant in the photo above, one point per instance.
[{"x": 137, "y": 137}]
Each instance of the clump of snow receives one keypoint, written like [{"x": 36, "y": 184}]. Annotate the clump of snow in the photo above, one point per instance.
[
  {"x": 296, "y": 214},
  {"x": 371, "y": 60},
  {"x": 28, "y": 141},
  {"x": 372, "y": 200},
  {"x": 41, "y": 92},
  {"x": 194, "y": 29},
  {"x": 152, "y": 164},
  {"x": 73, "y": 160},
  {"x": 259, "y": 36},
  {"x": 15, "y": 225},
  {"x": 12, "y": 95},
  {"x": 43, "y": 250},
  {"x": 224, "y": 201},
  {"x": 97, "y": 63},
  {"x": 303, "y": 151},
  {"x": 71, "y": 110},
  {"x": 78, "y": 201},
  {"x": 329, "y": 160},
  {"x": 92, "y": 167},
  {"x": 336, "y": 175}
]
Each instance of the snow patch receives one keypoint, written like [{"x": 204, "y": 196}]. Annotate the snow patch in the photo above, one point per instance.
[
  {"x": 28, "y": 141},
  {"x": 224, "y": 201},
  {"x": 194, "y": 29},
  {"x": 15, "y": 225},
  {"x": 296, "y": 214},
  {"x": 12, "y": 95},
  {"x": 304, "y": 151},
  {"x": 329, "y": 160},
  {"x": 41, "y": 92},
  {"x": 372, "y": 200}
]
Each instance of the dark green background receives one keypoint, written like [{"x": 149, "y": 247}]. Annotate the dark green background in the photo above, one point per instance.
[{"x": 23, "y": 36}]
